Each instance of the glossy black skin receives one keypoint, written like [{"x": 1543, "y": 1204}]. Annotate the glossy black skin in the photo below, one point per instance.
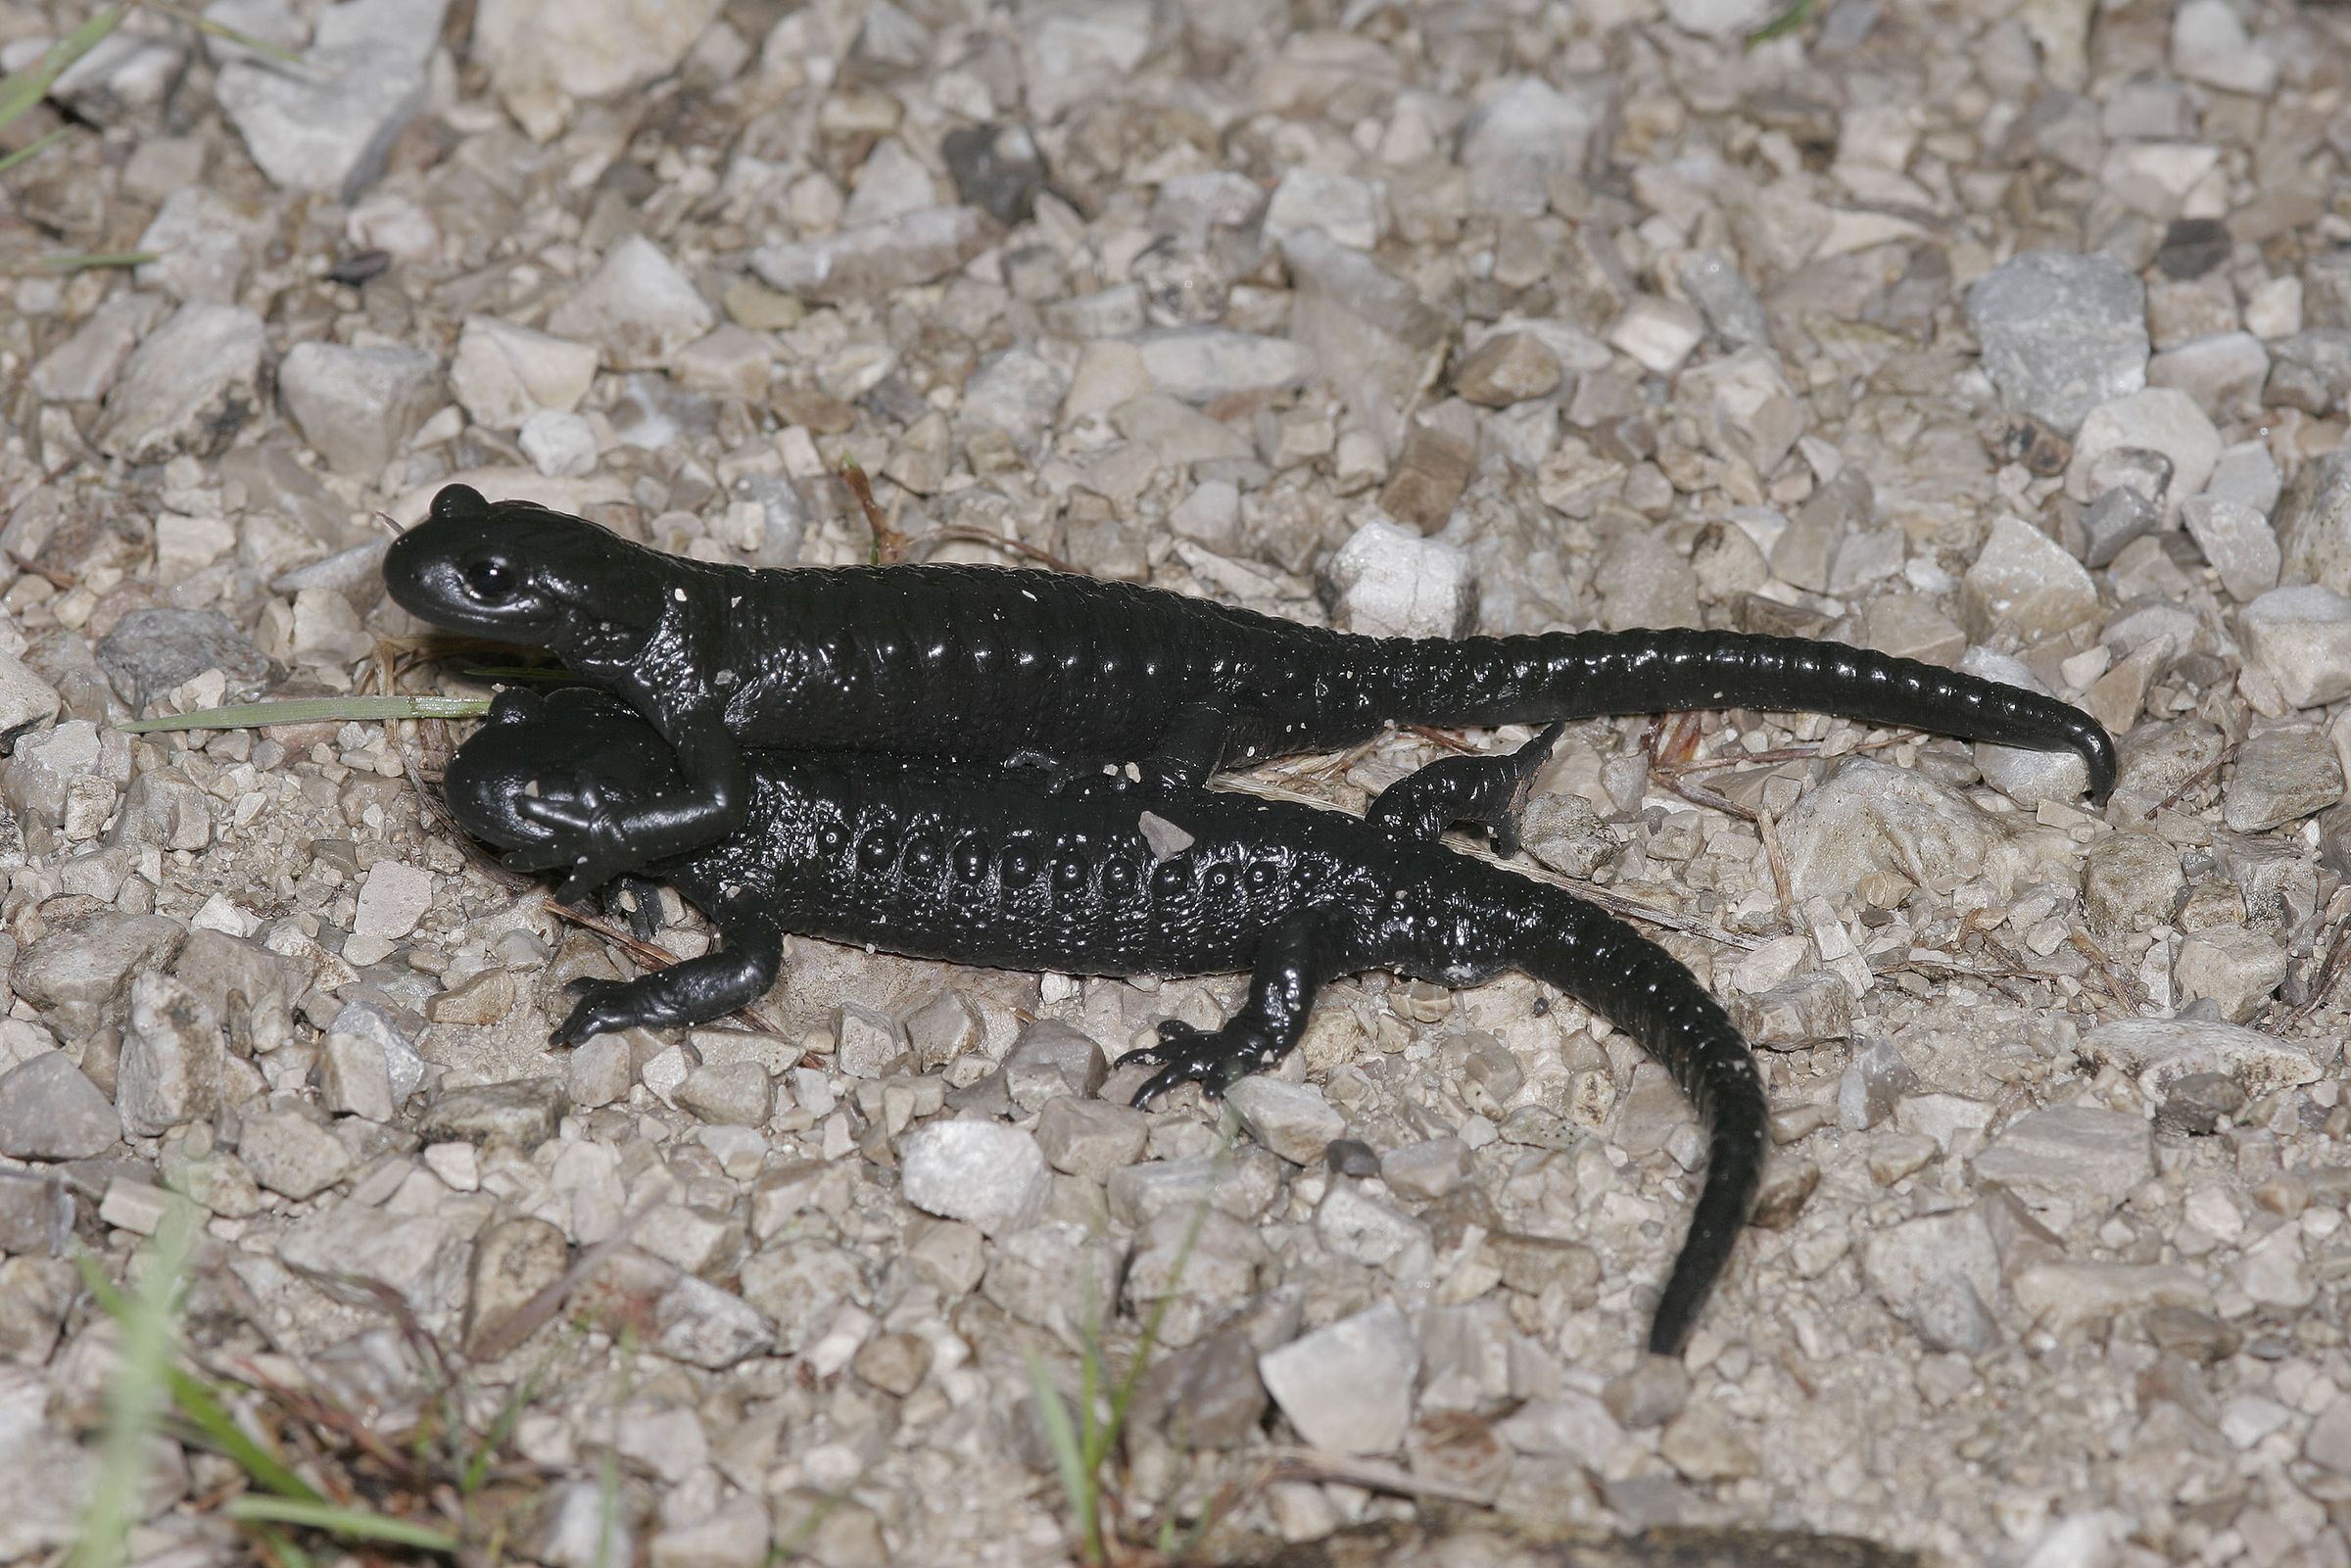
[
  {"x": 987, "y": 664},
  {"x": 973, "y": 865}
]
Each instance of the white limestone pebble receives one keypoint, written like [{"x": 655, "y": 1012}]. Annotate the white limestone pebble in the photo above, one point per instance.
[
  {"x": 2024, "y": 582},
  {"x": 328, "y": 125},
  {"x": 2160, "y": 1052},
  {"x": 358, "y": 407},
  {"x": 2024, "y": 776},
  {"x": 638, "y": 308},
  {"x": 2161, "y": 420},
  {"x": 2069, "y": 1153},
  {"x": 1348, "y": 1387},
  {"x": 2301, "y": 636},
  {"x": 877, "y": 259},
  {"x": 1388, "y": 581},
  {"x": 982, "y": 1172},
  {"x": 189, "y": 387},
  {"x": 2211, "y": 45},
  {"x": 542, "y": 54},
  {"x": 2237, "y": 540},
  {"x": 24, "y": 697},
  {"x": 504, "y": 373},
  {"x": 2061, "y": 334},
  {"x": 1292, "y": 1120},
  {"x": 393, "y": 899},
  {"x": 559, "y": 444}
]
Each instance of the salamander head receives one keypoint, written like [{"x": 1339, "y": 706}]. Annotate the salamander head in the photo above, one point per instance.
[
  {"x": 564, "y": 747},
  {"x": 520, "y": 573}
]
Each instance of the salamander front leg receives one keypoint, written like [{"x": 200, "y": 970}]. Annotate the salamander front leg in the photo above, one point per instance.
[
  {"x": 636, "y": 902},
  {"x": 1485, "y": 791},
  {"x": 1292, "y": 965},
  {"x": 594, "y": 838},
  {"x": 733, "y": 975}
]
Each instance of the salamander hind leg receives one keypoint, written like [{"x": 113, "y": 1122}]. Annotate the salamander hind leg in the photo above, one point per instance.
[
  {"x": 1292, "y": 964},
  {"x": 1191, "y": 748},
  {"x": 1483, "y": 791},
  {"x": 695, "y": 992}
]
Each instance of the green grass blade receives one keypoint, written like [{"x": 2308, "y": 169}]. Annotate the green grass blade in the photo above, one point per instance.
[
  {"x": 345, "y": 1524},
  {"x": 33, "y": 149},
  {"x": 87, "y": 261},
  {"x": 477, "y": 1468},
  {"x": 134, "y": 1397},
  {"x": 281, "y": 1546},
  {"x": 1781, "y": 26},
  {"x": 1093, "y": 1440},
  {"x": 200, "y": 1402},
  {"x": 221, "y": 30},
  {"x": 314, "y": 710},
  {"x": 27, "y": 87},
  {"x": 1077, "y": 1480}
]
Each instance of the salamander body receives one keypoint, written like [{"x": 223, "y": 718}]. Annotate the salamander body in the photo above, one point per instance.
[
  {"x": 974, "y": 864},
  {"x": 984, "y": 664}
]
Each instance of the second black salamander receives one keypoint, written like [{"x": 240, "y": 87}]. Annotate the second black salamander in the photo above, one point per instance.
[
  {"x": 974, "y": 864},
  {"x": 990, "y": 664}
]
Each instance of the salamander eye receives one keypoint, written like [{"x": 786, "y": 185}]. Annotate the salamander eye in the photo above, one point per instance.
[{"x": 492, "y": 581}]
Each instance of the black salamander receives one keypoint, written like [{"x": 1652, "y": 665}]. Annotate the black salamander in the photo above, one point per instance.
[
  {"x": 990, "y": 664},
  {"x": 972, "y": 864}
]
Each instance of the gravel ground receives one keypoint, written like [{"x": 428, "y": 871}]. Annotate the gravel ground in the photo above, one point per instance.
[{"x": 2011, "y": 338}]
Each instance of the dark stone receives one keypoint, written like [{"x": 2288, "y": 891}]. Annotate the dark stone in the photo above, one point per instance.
[
  {"x": 2037, "y": 443},
  {"x": 1351, "y": 1156},
  {"x": 2192, "y": 247},
  {"x": 50, "y": 1110},
  {"x": 36, "y": 1215},
  {"x": 2184, "y": 1331},
  {"x": 522, "y": 1113},
  {"x": 1205, "y": 1396},
  {"x": 996, "y": 168},
  {"x": 2311, "y": 370},
  {"x": 2197, "y": 1102},
  {"x": 151, "y": 652}
]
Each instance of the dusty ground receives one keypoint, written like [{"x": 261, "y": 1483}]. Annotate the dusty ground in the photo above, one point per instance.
[{"x": 1552, "y": 316}]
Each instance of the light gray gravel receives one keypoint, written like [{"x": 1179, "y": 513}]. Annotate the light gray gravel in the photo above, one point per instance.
[{"x": 2010, "y": 339}]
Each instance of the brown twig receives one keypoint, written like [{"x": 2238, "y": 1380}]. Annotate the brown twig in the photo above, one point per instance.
[
  {"x": 1313, "y": 1464},
  {"x": 2119, "y": 984},
  {"x": 2194, "y": 780},
  {"x": 2330, "y": 975},
  {"x": 652, "y": 957},
  {"x": 1701, "y": 795},
  {"x": 965, "y": 533},
  {"x": 889, "y": 545},
  {"x": 63, "y": 582},
  {"x": 1776, "y": 859},
  {"x": 1435, "y": 737}
]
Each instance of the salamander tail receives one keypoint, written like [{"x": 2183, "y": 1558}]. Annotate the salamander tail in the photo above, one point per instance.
[
  {"x": 1576, "y": 674},
  {"x": 1644, "y": 990}
]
